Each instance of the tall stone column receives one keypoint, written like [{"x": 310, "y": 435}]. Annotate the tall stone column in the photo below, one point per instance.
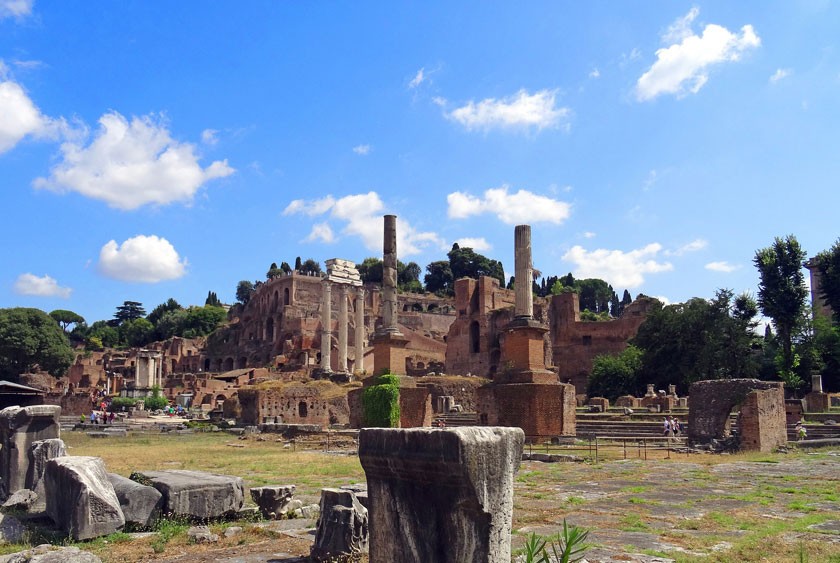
[
  {"x": 342, "y": 329},
  {"x": 389, "y": 276},
  {"x": 388, "y": 342},
  {"x": 326, "y": 325},
  {"x": 359, "y": 336},
  {"x": 524, "y": 272}
]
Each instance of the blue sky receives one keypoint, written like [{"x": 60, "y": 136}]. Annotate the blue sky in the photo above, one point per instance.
[{"x": 164, "y": 149}]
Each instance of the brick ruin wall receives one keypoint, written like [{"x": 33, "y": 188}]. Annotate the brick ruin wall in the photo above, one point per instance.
[
  {"x": 293, "y": 405},
  {"x": 415, "y": 407},
  {"x": 713, "y": 401},
  {"x": 575, "y": 343},
  {"x": 543, "y": 411}
]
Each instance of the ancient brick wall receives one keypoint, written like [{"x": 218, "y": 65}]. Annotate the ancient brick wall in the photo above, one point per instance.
[
  {"x": 72, "y": 404},
  {"x": 762, "y": 420},
  {"x": 463, "y": 389},
  {"x": 415, "y": 407},
  {"x": 575, "y": 343},
  {"x": 713, "y": 401},
  {"x": 293, "y": 405},
  {"x": 542, "y": 411}
]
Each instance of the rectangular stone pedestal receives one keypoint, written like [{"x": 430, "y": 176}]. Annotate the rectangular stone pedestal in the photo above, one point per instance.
[
  {"x": 389, "y": 353},
  {"x": 440, "y": 495},
  {"x": 542, "y": 411}
]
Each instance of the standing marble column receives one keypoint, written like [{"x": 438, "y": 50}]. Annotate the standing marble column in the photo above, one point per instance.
[
  {"x": 326, "y": 325},
  {"x": 342, "y": 329},
  {"x": 524, "y": 272},
  {"x": 359, "y": 335},
  {"x": 389, "y": 276}
]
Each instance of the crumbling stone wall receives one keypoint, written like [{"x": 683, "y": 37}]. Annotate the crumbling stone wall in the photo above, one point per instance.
[
  {"x": 575, "y": 343},
  {"x": 762, "y": 403},
  {"x": 463, "y": 389},
  {"x": 543, "y": 411},
  {"x": 415, "y": 407},
  {"x": 295, "y": 404}
]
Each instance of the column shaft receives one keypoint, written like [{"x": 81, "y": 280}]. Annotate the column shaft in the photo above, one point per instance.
[
  {"x": 359, "y": 336},
  {"x": 326, "y": 325},
  {"x": 342, "y": 329}
]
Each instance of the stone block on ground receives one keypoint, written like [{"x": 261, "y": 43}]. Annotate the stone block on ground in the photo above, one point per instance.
[
  {"x": 273, "y": 500},
  {"x": 11, "y": 529},
  {"x": 40, "y": 453},
  {"x": 342, "y": 530},
  {"x": 195, "y": 494},
  {"x": 202, "y": 534},
  {"x": 440, "y": 495},
  {"x": 80, "y": 497},
  {"x": 20, "y": 501},
  {"x": 47, "y": 553},
  {"x": 141, "y": 505}
]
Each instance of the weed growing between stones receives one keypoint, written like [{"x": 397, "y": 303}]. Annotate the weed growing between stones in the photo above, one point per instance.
[{"x": 566, "y": 547}]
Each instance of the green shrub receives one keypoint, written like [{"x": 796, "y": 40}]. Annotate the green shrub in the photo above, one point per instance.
[
  {"x": 382, "y": 403},
  {"x": 156, "y": 400},
  {"x": 120, "y": 403}
]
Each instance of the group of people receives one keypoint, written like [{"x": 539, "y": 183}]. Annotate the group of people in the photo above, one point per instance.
[
  {"x": 672, "y": 427},
  {"x": 100, "y": 417}
]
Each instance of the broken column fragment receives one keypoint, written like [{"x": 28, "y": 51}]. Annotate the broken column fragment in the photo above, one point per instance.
[
  {"x": 195, "y": 494},
  {"x": 342, "y": 532},
  {"x": 440, "y": 495},
  {"x": 273, "y": 500}
]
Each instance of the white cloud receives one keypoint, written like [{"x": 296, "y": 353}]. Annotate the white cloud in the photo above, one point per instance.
[
  {"x": 588, "y": 234},
  {"x": 479, "y": 244},
  {"x": 693, "y": 246},
  {"x": 362, "y": 217},
  {"x": 128, "y": 165},
  {"x": 210, "y": 136},
  {"x": 145, "y": 259},
  {"x": 683, "y": 66},
  {"x": 594, "y": 73},
  {"x": 522, "y": 110},
  {"x": 725, "y": 267},
  {"x": 439, "y": 101},
  {"x": 513, "y": 209},
  {"x": 18, "y": 9},
  {"x": 362, "y": 149},
  {"x": 417, "y": 80},
  {"x": 619, "y": 268},
  {"x": 19, "y": 117},
  {"x": 46, "y": 286},
  {"x": 320, "y": 232},
  {"x": 780, "y": 74}
]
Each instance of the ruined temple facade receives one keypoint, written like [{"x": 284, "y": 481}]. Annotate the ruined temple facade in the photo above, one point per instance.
[
  {"x": 484, "y": 309},
  {"x": 281, "y": 327}
]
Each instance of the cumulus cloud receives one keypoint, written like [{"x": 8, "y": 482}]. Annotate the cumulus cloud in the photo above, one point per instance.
[
  {"x": 683, "y": 66},
  {"x": 522, "y": 110},
  {"x": 693, "y": 246},
  {"x": 17, "y": 9},
  {"x": 45, "y": 286},
  {"x": 724, "y": 267},
  {"x": 20, "y": 117},
  {"x": 780, "y": 74},
  {"x": 361, "y": 215},
  {"x": 594, "y": 73},
  {"x": 418, "y": 79},
  {"x": 321, "y": 232},
  {"x": 479, "y": 244},
  {"x": 131, "y": 164},
  {"x": 513, "y": 209},
  {"x": 144, "y": 259},
  {"x": 362, "y": 150},
  {"x": 619, "y": 268},
  {"x": 588, "y": 234}
]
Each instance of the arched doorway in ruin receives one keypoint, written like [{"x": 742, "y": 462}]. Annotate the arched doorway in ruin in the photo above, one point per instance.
[
  {"x": 269, "y": 329},
  {"x": 475, "y": 337},
  {"x": 303, "y": 409},
  {"x": 242, "y": 363},
  {"x": 227, "y": 365}
]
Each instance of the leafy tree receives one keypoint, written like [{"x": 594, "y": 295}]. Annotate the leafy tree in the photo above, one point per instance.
[
  {"x": 156, "y": 400},
  {"x": 273, "y": 271},
  {"x": 285, "y": 268},
  {"x": 594, "y": 294},
  {"x": 828, "y": 267},
  {"x": 65, "y": 318},
  {"x": 615, "y": 375},
  {"x": 408, "y": 276},
  {"x": 310, "y": 266},
  {"x": 781, "y": 291},
  {"x": 827, "y": 344},
  {"x": 370, "y": 270},
  {"x": 129, "y": 311},
  {"x": 298, "y": 264},
  {"x": 137, "y": 332},
  {"x": 212, "y": 299},
  {"x": 171, "y": 324},
  {"x": 244, "y": 291},
  {"x": 29, "y": 338},
  {"x": 439, "y": 278},
  {"x": 203, "y": 320},
  {"x": 108, "y": 335},
  {"x": 169, "y": 305},
  {"x": 464, "y": 262}
]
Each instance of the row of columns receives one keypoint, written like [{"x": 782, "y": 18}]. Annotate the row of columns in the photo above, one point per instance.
[{"x": 326, "y": 326}]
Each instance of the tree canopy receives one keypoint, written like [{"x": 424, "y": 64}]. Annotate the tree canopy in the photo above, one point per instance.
[
  {"x": 129, "y": 311},
  {"x": 244, "y": 291},
  {"x": 66, "y": 318},
  {"x": 29, "y": 338},
  {"x": 828, "y": 267}
]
